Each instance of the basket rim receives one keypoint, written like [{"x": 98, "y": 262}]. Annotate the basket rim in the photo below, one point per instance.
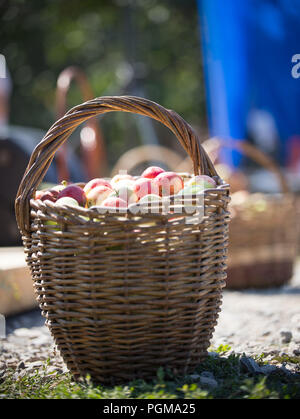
[{"x": 98, "y": 211}]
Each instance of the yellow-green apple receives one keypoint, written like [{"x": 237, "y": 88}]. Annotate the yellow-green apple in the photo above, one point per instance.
[
  {"x": 97, "y": 195},
  {"x": 145, "y": 186},
  {"x": 190, "y": 190},
  {"x": 94, "y": 183},
  {"x": 73, "y": 191},
  {"x": 67, "y": 200},
  {"x": 114, "y": 202},
  {"x": 189, "y": 197},
  {"x": 120, "y": 177},
  {"x": 169, "y": 183},
  {"x": 203, "y": 181},
  {"x": 152, "y": 171}
]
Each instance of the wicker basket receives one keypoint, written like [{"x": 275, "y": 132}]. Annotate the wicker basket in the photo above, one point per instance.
[
  {"x": 124, "y": 294},
  {"x": 263, "y": 237}
]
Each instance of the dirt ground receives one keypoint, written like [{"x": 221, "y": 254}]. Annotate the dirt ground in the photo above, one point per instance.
[{"x": 254, "y": 321}]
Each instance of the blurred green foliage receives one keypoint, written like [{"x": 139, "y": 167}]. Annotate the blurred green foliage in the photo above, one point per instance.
[{"x": 149, "y": 48}]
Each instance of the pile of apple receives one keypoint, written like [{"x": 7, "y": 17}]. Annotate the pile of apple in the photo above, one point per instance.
[{"x": 124, "y": 190}]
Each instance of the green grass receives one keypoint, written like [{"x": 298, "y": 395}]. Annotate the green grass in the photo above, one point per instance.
[{"x": 233, "y": 383}]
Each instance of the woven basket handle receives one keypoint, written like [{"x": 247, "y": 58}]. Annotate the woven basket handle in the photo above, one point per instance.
[
  {"x": 255, "y": 154},
  {"x": 96, "y": 159},
  {"x": 43, "y": 153}
]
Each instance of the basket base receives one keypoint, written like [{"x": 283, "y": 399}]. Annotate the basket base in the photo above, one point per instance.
[
  {"x": 260, "y": 275},
  {"x": 132, "y": 367},
  {"x": 126, "y": 377}
]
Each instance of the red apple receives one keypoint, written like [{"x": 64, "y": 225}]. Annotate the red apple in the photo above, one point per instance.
[
  {"x": 97, "y": 195},
  {"x": 73, "y": 191},
  {"x": 115, "y": 202},
  {"x": 169, "y": 183},
  {"x": 145, "y": 186},
  {"x": 51, "y": 195},
  {"x": 152, "y": 171},
  {"x": 94, "y": 183}
]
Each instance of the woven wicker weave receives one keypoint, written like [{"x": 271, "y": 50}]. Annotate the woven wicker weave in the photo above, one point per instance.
[
  {"x": 123, "y": 294},
  {"x": 263, "y": 234}
]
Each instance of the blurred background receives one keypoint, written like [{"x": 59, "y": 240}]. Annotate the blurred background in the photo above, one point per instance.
[{"x": 230, "y": 69}]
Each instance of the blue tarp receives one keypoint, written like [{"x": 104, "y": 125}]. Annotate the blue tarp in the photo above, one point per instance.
[{"x": 248, "y": 47}]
